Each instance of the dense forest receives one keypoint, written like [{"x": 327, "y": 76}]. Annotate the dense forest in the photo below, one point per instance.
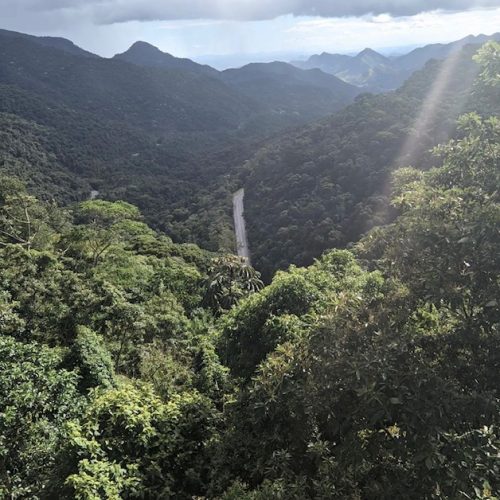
[
  {"x": 132, "y": 366},
  {"x": 308, "y": 189},
  {"x": 327, "y": 184}
]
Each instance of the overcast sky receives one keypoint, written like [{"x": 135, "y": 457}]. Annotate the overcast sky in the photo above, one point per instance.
[{"x": 253, "y": 29}]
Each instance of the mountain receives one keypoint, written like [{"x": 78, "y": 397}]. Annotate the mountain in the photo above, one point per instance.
[
  {"x": 50, "y": 41},
  {"x": 285, "y": 94},
  {"x": 288, "y": 90},
  {"x": 324, "y": 185},
  {"x": 378, "y": 73},
  {"x": 371, "y": 58},
  {"x": 159, "y": 101},
  {"x": 417, "y": 58},
  {"x": 367, "y": 69},
  {"x": 145, "y": 54}
]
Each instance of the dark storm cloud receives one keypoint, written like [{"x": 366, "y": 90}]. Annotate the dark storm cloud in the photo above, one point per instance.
[{"x": 113, "y": 11}]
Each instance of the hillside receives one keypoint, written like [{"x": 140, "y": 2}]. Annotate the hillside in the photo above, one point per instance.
[
  {"x": 290, "y": 91},
  {"x": 62, "y": 153},
  {"x": 378, "y": 73},
  {"x": 284, "y": 96},
  {"x": 134, "y": 367},
  {"x": 325, "y": 185},
  {"x": 159, "y": 101}
]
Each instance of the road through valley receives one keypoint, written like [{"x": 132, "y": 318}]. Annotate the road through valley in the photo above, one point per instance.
[{"x": 239, "y": 225}]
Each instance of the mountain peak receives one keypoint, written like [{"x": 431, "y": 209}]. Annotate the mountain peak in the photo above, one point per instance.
[
  {"x": 144, "y": 54},
  {"x": 370, "y": 53},
  {"x": 144, "y": 48}
]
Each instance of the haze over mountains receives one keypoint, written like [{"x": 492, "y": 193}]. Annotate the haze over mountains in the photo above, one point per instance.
[
  {"x": 378, "y": 73},
  {"x": 157, "y": 92},
  {"x": 288, "y": 92},
  {"x": 167, "y": 134}
]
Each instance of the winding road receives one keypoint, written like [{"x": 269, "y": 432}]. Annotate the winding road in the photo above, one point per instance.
[{"x": 239, "y": 225}]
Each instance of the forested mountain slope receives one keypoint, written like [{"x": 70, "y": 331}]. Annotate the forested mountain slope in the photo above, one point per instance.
[
  {"x": 133, "y": 367},
  {"x": 63, "y": 154},
  {"x": 164, "y": 139},
  {"x": 284, "y": 94},
  {"x": 288, "y": 90},
  {"x": 326, "y": 184},
  {"x": 158, "y": 101},
  {"x": 378, "y": 73}
]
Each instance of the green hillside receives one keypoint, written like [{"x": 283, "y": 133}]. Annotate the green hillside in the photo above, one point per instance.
[
  {"x": 325, "y": 185},
  {"x": 133, "y": 366}
]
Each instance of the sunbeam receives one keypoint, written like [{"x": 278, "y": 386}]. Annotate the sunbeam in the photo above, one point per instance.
[{"x": 429, "y": 110}]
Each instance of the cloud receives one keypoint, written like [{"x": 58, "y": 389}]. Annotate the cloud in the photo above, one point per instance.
[{"x": 116, "y": 11}]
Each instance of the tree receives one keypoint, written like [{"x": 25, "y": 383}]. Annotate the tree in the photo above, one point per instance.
[
  {"x": 23, "y": 219},
  {"x": 101, "y": 224},
  {"x": 230, "y": 279},
  {"x": 130, "y": 443},
  {"x": 37, "y": 397}
]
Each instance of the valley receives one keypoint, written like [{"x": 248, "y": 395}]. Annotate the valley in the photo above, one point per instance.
[{"x": 277, "y": 281}]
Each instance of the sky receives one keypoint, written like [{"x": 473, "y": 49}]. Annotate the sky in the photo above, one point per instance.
[{"x": 233, "y": 32}]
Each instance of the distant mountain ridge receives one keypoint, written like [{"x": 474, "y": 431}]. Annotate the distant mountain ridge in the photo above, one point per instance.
[
  {"x": 50, "y": 41},
  {"x": 288, "y": 92},
  {"x": 284, "y": 87},
  {"x": 375, "y": 72},
  {"x": 145, "y": 54}
]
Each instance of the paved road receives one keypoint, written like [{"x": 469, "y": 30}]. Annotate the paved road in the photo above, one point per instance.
[{"x": 239, "y": 225}]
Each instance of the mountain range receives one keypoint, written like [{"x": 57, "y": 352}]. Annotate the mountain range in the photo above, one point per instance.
[
  {"x": 287, "y": 92},
  {"x": 176, "y": 138},
  {"x": 168, "y": 96},
  {"x": 378, "y": 73}
]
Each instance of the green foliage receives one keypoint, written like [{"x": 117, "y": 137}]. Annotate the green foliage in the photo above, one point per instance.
[
  {"x": 139, "y": 445},
  {"x": 101, "y": 225},
  {"x": 283, "y": 310},
  {"x": 446, "y": 233},
  {"x": 37, "y": 396},
  {"x": 93, "y": 360},
  {"x": 23, "y": 220},
  {"x": 134, "y": 367},
  {"x": 230, "y": 279},
  {"x": 489, "y": 59}
]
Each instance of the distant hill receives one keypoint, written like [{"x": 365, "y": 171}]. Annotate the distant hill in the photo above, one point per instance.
[
  {"x": 50, "y": 41},
  {"x": 157, "y": 100},
  {"x": 378, "y": 73},
  {"x": 145, "y": 54},
  {"x": 417, "y": 58},
  {"x": 286, "y": 94},
  {"x": 323, "y": 185},
  {"x": 368, "y": 69},
  {"x": 287, "y": 89}
]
